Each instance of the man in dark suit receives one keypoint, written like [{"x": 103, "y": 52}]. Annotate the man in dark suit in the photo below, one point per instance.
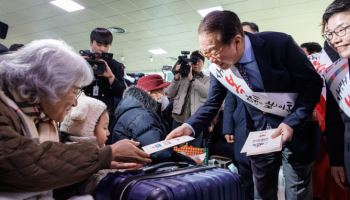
[
  {"x": 232, "y": 123},
  {"x": 274, "y": 63},
  {"x": 230, "y": 114}
]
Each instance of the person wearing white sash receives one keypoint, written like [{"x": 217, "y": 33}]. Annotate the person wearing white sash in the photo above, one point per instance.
[
  {"x": 278, "y": 87},
  {"x": 336, "y": 31},
  {"x": 228, "y": 126}
]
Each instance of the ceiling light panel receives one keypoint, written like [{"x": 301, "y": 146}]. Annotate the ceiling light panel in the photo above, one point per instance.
[
  {"x": 157, "y": 51},
  {"x": 204, "y": 12},
  {"x": 67, "y": 5}
]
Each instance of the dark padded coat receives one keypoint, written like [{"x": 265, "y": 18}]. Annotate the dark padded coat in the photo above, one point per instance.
[{"x": 138, "y": 119}]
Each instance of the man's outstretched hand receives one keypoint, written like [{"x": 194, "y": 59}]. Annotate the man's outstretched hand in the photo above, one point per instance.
[{"x": 179, "y": 131}]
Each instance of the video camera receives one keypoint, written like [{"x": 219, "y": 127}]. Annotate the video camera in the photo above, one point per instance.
[
  {"x": 132, "y": 78},
  {"x": 94, "y": 59},
  {"x": 185, "y": 63}
]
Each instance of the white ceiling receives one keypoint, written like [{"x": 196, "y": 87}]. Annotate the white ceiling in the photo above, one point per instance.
[{"x": 167, "y": 24}]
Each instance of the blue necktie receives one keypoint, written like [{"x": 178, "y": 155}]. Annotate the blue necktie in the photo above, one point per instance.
[
  {"x": 259, "y": 120},
  {"x": 244, "y": 74}
]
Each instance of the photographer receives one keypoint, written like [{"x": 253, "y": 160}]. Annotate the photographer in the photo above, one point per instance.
[
  {"x": 189, "y": 88},
  {"x": 109, "y": 84}
]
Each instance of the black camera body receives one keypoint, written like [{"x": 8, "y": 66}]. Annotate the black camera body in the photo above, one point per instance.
[
  {"x": 185, "y": 63},
  {"x": 94, "y": 60},
  {"x": 134, "y": 78}
]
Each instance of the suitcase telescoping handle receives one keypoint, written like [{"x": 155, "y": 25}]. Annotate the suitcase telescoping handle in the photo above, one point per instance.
[{"x": 158, "y": 166}]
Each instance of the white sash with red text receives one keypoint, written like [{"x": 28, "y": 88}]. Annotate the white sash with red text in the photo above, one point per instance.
[
  {"x": 337, "y": 78},
  {"x": 321, "y": 61},
  {"x": 280, "y": 104}
]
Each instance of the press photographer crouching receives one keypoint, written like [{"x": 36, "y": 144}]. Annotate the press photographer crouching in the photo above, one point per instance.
[
  {"x": 189, "y": 88},
  {"x": 109, "y": 83}
]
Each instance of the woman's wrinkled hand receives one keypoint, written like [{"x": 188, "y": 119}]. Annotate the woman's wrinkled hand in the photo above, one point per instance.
[{"x": 128, "y": 152}]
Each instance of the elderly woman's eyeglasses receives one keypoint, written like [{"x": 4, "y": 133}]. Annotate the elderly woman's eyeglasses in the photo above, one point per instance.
[
  {"x": 78, "y": 93},
  {"x": 340, "y": 33},
  {"x": 212, "y": 53}
]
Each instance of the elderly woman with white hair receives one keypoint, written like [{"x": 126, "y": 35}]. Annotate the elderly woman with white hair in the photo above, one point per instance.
[{"x": 39, "y": 84}]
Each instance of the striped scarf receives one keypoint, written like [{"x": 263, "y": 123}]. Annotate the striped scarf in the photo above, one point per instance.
[{"x": 35, "y": 124}]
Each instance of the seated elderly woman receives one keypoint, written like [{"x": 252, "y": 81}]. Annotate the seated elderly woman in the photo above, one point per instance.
[
  {"x": 39, "y": 84},
  {"x": 139, "y": 117}
]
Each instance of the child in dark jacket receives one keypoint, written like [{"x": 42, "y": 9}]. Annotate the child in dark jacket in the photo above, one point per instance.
[{"x": 139, "y": 117}]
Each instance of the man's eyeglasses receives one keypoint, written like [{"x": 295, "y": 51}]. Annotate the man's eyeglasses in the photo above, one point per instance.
[
  {"x": 340, "y": 33},
  {"x": 212, "y": 53}
]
